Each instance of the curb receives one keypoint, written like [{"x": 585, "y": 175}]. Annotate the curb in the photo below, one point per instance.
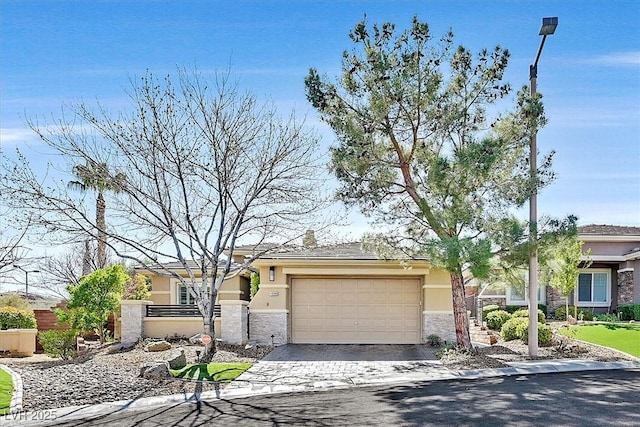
[{"x": 16, "y": 399}]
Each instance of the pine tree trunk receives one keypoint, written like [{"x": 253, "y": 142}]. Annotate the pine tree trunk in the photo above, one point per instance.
[
  {"x": 102, "y": 233},
  {"x": 461, "y": 320}
]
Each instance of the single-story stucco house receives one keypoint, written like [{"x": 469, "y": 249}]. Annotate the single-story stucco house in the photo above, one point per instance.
[
  {"x": 343, "y": 294},
  {"x": 612, "y": 279},
  {"x": 330, "y": 294}
]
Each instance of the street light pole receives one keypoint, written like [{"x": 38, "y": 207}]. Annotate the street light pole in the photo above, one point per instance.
[
  {"x": 26, "y": 278},
  {"x": 548, "y": 27}
]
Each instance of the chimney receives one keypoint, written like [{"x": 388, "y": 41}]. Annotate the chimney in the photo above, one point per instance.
[{"x": 309, "y": 241}]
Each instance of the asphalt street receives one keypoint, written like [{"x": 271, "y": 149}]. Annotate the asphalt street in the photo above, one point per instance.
[{"x": 595, "y": 398}]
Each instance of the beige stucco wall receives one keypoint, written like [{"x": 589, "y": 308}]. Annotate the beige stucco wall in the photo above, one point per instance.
[
  {"x": 19, "y": 342},
  {"x": 162, "y": 327},
  {"x": 274, "y": 296},
  {"x": 164, "y": 289}
]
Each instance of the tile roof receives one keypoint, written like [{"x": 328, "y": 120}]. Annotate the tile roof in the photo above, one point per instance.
[
  {"x": 351, "y": 250},
  {"x": 608, "y": 230}
]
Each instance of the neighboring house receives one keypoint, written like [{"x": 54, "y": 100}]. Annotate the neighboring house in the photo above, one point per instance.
[
  {"x": 612, "y": 279},
  {"x": 342, "y": 294}
]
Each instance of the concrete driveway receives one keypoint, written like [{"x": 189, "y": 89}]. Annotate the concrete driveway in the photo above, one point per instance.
[{"x": 350, "y": 352}]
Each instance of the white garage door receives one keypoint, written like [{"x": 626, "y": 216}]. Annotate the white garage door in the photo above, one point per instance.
[{"x": 355, "y": 310}]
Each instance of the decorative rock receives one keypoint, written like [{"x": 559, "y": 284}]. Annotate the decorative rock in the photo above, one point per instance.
[
  {"x": 177, "y": 359},
  {"x": 158, "y": 346},
  {"x": 117, "y": 348},
  {"x": 155, "y": 371},
  {"x": 196, "y": 339}
]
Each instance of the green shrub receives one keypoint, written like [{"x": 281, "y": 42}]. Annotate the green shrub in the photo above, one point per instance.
[
  {"x": 544, "y": 333},
  {"x": 544, "y": 309},
  {"x": 434, "y": 340},
  {"x": 255, "y": 284},
  {"x": 509, "y": 330},
  {"x": 560, "y": 313},
  {"x": 518, "y": 328},
  {"x": 16, "y": 318},
  {"x": 488, "y": 309},
  {"x": 629, "y": 312},
  {"x": 512, "y": 308},
  {"x": 59, "y": 343},
  {"x": 496, "y": 319},
  {"x": 607, "y": 317},
  {"x": 524, "y": 312}
]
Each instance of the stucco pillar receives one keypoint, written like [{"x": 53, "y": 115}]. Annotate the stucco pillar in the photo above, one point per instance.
[
  {"x": 234, "y": 318},
  {"x": 132, "y": 314}
]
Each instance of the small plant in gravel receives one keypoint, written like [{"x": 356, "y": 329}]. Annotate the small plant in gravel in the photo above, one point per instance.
[
  {"x": 446, "y": 348},
  {"x": 60, "y": 344},
  {"x": 434, "y": 340}
]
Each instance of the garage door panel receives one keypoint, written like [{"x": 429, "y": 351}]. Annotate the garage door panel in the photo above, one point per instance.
[{"x": 356, "y": 310}]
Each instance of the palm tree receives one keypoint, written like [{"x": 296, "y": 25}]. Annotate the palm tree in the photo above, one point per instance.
[{"x": 96, "y": 176}]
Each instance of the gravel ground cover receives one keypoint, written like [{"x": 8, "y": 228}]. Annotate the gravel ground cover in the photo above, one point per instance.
[{"x": 99, "y": 376}]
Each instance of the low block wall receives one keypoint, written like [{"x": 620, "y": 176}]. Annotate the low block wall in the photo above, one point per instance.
[
  {"x": 19, "y": 342},
  {"x": 162, "y": 327}
]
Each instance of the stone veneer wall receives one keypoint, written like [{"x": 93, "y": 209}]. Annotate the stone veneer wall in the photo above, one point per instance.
[
  {"x": 263, "y": 324},
  {"x": 132, "y": 313},
  {"x": 554, "y": 300},
  {"x": 235, "y": 324},
  {"x": 625, "y": 287},
  {"x": 440, "y": 324}
]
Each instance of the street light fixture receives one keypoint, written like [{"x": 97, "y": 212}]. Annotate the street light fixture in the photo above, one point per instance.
[
  {"x": 549, "y": 26},
  {"x": 26, "y": 278}
]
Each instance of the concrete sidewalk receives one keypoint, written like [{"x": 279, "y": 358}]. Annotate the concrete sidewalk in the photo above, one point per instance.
[{"x": 269, "y": 377}]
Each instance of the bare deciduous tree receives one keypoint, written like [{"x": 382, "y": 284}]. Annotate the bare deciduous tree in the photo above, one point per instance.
[
  {"x": 12, "y": 237},
  {"x": 206, "y": 165}
]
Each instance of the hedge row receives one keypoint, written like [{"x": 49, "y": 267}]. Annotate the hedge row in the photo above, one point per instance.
[
  {"x": 560, "y": 313},
  {"x": 509, "y": 309},
  {"x": 629, "y": 312},
  {"x": 16, "y": 318}
]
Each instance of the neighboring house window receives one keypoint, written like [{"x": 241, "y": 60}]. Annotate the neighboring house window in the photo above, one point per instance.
[
  {"x": 593, "y": 288},
  {"x": 520, "y": 295}
]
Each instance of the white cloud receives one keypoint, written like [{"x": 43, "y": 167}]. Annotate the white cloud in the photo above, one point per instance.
[
  {"x": 15, "y": 136},
  {"x": 616, "y": 59}
]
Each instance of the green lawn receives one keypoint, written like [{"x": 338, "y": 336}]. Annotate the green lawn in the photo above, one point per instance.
[
  {"x": 621, "y": 336},
  {"x": 224, "y": 372},
  {"x": 6, "y": 390}
]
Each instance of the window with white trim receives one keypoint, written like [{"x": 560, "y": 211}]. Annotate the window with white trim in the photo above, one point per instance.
[
  {"x": 593, "y": 288},
  {"x": 520, "y": 296}
]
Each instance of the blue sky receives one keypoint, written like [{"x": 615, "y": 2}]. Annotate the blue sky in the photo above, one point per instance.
[{"x": 52, "y": 52}]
